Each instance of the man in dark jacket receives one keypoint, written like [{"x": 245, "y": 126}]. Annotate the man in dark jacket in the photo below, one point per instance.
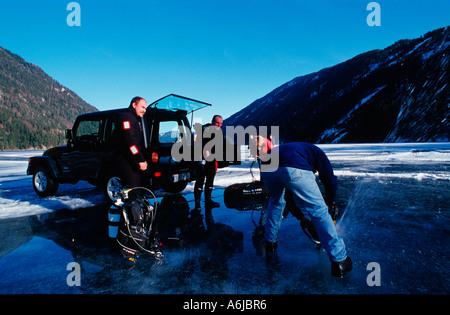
[
  {"x": 297, "y": 164},
  {"x": 131, "y": 161},
  {"x": 207, "y": 170}
]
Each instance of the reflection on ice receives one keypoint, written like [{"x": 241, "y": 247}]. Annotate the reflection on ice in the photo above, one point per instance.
[{"x": 26, "y": 269}]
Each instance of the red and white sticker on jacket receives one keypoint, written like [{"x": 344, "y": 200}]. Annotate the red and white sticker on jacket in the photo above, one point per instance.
[
  {"x": 134, "y": 150},
  {"x": 126, "y": 125}
]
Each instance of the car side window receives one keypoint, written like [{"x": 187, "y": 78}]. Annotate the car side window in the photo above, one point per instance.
[
  {"x": 88, "y": 130},
  {"x": 169, "y": 132},
  {"x": 108, "y": 131}
]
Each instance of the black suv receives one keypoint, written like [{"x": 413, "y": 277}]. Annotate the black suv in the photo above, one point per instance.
[{"x": 89, "y": 153}]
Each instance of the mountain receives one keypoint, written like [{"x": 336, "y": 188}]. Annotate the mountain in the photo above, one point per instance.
[
  {"x": 34, "y": 108},
  {"x": 398, "y": 94}
]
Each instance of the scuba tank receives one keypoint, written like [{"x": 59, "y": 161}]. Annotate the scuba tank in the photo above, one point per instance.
[
  {"x": 131, "y": 223},
  {"x": 114, "y": 215}
]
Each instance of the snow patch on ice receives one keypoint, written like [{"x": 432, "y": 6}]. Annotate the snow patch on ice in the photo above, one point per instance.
[{"x": 418, "y": 176}]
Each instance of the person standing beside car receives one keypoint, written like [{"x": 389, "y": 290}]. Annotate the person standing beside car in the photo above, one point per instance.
[
  {"x": 207, "y": 170},
  {"x": 131, "y": 162}
]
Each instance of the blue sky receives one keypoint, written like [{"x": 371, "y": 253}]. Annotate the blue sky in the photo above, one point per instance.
[{"x": 227, "y": 52}]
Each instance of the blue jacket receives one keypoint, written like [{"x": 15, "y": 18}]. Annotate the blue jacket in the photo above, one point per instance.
[{"x": 309, "y": 157}]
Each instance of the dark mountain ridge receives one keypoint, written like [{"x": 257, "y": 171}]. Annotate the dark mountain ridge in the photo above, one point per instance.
[
  {"x": 398, "y": 94},
  {"x": 34, "y": 108}
]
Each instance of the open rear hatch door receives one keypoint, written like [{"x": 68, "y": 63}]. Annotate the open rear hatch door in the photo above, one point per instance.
[{"x": 175, "y": 102}]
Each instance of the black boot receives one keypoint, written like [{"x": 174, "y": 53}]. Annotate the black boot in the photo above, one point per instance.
[
  {"x": 209, "y": 203},
  {"x": 271, "y": 246},
  {"x": 197, "y": 196},
  {"x": 340, "y": 268}
]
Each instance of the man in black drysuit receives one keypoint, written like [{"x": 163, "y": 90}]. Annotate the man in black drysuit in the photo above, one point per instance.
[
  {"x": 131, "y": 162},
  {"x": 208, "y": 169}
]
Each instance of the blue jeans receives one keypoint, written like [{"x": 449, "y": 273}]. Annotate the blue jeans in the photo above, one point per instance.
[{"x": 308, "y": 198}]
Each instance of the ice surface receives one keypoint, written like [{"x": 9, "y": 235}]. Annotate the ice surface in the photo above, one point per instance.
[
  {"x": 395, "y": 211},
  {"x": 17, "y": 197}
]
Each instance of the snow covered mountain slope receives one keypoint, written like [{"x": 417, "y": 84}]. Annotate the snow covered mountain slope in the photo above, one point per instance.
[{"x": 398, "y": 94}]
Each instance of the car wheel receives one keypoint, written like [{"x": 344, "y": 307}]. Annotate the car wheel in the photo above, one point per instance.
[
  {"x": 112, "y": 186},
  {"x": 43, "y": 183}
]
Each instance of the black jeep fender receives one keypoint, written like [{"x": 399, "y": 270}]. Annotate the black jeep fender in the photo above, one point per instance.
[{"x": 44, "y": 161}]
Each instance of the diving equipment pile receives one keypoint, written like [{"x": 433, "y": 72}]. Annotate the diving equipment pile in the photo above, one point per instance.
[{"x": 132, "y": 223}]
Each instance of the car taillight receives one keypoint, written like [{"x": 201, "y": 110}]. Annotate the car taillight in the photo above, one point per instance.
[
  {"x": 157, "y": 174},
  {"x": 155, "y": 157}
]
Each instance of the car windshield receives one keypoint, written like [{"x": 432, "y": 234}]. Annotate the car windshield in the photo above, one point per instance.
[{"x": 176, "y": 102}]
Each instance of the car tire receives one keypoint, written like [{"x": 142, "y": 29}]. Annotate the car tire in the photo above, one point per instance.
[
  {"x": 111, "y": 185},
  {"x": 43, "y": 182}
]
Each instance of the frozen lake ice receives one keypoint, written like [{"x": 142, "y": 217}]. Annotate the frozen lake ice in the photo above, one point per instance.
[{"x": 394, "y": 205}]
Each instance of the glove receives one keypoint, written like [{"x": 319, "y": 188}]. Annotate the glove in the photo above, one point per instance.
[{"x": 333, "y": 211}]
